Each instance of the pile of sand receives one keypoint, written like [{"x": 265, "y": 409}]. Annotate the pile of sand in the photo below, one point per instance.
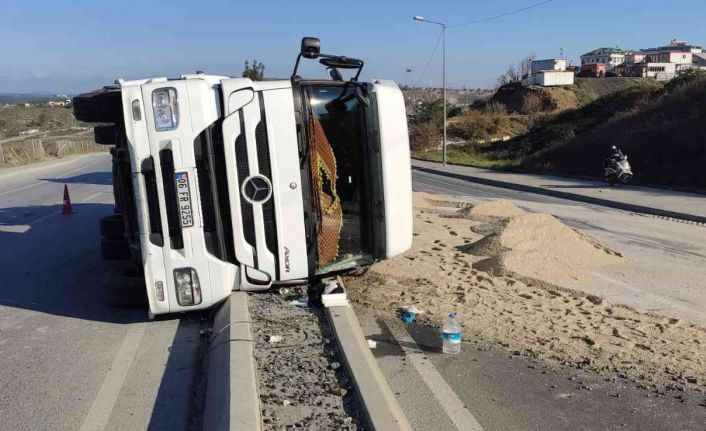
[
  {"x": 454, "y": 265},
  {"x": 539, "y": 246},
  {"x": 499, "y": 208}
]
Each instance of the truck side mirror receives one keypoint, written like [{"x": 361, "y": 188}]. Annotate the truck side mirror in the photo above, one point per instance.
[{"x": 311, "y": 47}]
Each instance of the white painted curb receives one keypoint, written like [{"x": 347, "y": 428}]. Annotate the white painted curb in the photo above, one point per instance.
[{"x": 376, "y": 400}]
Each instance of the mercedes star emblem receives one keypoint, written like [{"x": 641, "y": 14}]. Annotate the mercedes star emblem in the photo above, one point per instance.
[{"x": 257, "y": 189}]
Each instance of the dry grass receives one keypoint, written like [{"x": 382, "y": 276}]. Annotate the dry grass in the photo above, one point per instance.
[{"x": 14, "y": 119}]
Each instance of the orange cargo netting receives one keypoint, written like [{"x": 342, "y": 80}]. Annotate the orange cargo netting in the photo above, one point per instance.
[{"x": 324, "y": 177}]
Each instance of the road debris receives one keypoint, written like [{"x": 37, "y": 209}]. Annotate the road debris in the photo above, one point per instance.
[
  {"x": 409, "y": 313},
  {"x": 302, "y": 302},
  {"x": 275, "y": 339},
  {"x": 300, "y": 388}
]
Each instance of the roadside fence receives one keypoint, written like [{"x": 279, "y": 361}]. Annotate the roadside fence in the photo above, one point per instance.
[{"x": 32, "y": 150}]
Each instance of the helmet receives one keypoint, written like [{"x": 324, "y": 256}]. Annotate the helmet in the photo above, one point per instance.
[{"x": 613, "y": 148}]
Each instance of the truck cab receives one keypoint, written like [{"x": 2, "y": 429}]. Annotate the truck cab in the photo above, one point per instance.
[{"x": 227, "y": 184}]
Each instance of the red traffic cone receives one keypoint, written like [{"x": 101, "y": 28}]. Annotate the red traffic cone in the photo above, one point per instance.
[{"x": 67, "y": 202}]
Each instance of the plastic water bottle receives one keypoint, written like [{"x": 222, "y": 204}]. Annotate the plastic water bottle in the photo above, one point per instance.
[{"x": 451, "y": 335}]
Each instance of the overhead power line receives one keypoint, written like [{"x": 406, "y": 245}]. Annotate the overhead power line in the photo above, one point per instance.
[
  {"x": 512, "y": 12},
  {"x": 490, "y": 18}
]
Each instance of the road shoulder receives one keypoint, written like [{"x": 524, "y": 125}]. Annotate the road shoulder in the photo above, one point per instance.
[{"x": 658, "y": 202}]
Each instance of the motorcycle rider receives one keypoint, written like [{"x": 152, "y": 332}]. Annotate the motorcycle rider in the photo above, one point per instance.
[{"x": 615, "y": 155}]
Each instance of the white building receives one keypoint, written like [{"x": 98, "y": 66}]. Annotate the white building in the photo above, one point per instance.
[
  {"x": 611, "y": 57},
  {"x": 658, "y": 71},
  {"x": 677, "y": 45},
  {"x": 552, "y": 64},
  {"x": 700, "y": 60},
  {"x": 549, "y": 73}
]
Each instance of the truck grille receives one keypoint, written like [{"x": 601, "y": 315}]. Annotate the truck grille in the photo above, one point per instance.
[
  {"x": 153, "y": 213},
  {"x": 241, "y": 155},
  {"x": 263, "y": 160},
  {"x": 166, "y": 161},
  {"x": 213, "y": 191}
]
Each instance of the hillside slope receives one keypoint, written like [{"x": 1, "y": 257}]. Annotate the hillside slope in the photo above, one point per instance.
[
  {"x": 519, "y": 99},
  {"x": 662, "y": 130},
  {"x": 13, "y": 119}
]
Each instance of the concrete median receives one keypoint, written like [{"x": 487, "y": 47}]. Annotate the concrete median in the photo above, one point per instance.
[{"x": 232, "y": 397}]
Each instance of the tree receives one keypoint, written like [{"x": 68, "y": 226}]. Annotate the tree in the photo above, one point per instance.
[
  {"x": 433, "y": 112},
  {"x": 525, "y": 65},
  {"x": 256, "y": 72},
  {"x": 516, "y": 73}
]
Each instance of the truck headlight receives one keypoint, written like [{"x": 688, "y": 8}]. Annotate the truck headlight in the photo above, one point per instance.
[
  {"x": 166, "y": 109},
  {"x": 188, "y": 288}
]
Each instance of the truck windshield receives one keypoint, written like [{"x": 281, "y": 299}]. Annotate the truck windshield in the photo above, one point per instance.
[{"x": 337, "y": 142}]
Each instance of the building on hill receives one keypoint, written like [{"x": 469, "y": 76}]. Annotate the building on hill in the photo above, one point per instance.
[
  {"x": 656, "y": 70},
  {"x": 611, "y": 57},
  {"x": 593, "y": 70},
  {"x": 661, "y": 63},
  {"x": 699, "y": 60},
  {"x": 677, "y": 45},
  {"x": 549, "y": 73},
  {"x": 552, "y": 64}
]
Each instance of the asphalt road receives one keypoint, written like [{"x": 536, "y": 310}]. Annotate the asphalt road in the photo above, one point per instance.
[
  {"x": 501, "y": 391},
  {"x": 67, "y": 361},
  {"x": 665, "y": 270}
]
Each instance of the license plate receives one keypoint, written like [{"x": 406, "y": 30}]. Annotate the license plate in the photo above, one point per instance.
[{"x": 186, "y": 215}]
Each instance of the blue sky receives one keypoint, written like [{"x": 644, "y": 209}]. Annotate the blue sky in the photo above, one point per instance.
[{"x": 72, "y": 46}]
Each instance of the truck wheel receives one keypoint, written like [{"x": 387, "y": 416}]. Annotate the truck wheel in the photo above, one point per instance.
[
  {"x": 124, "y": 288},
  {"x": 100, "y": 106},
  {"x": 113, "y": 249},
  {"x": 112, "y": 227}
]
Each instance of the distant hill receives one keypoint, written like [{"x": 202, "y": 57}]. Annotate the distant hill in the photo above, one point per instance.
[{"x": 14, "y": 99}]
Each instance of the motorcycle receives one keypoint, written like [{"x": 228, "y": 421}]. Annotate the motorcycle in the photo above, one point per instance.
[{"x": 618, "y": 171}]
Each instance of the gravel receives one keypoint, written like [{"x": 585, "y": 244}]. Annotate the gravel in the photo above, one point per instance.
[{"x": 302, "y": 383}]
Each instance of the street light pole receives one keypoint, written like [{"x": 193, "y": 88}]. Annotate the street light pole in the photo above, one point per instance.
[
  {"x": 443, "y": 81},
  {"x": 443, "y": 78}
]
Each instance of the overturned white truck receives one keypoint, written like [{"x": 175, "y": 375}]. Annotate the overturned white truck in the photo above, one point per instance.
[{"x": 227, "y": 183}]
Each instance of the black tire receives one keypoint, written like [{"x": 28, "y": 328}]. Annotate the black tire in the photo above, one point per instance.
[
  {"x": 124, "y": 288},
  {"x": 112, "y": 227},
  {"x": 100, "y": 106},
  {"x": 104, "y": 134},
  {"x": 113, "y": 249}
]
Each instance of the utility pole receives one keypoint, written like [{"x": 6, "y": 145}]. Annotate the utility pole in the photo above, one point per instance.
[{"x": 443, "y": 78}]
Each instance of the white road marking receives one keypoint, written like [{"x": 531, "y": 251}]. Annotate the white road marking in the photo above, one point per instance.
[
  {"x": 22, "y": 228},
  {"x": 41, "y": 219},
  {"x": 42, "y": 167},
  {"x": 90, "y": 198},
  {"x": 102, "y": 407},
  {"x": 454, "y": 408},
  {"x": 46, "y": 181}
]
